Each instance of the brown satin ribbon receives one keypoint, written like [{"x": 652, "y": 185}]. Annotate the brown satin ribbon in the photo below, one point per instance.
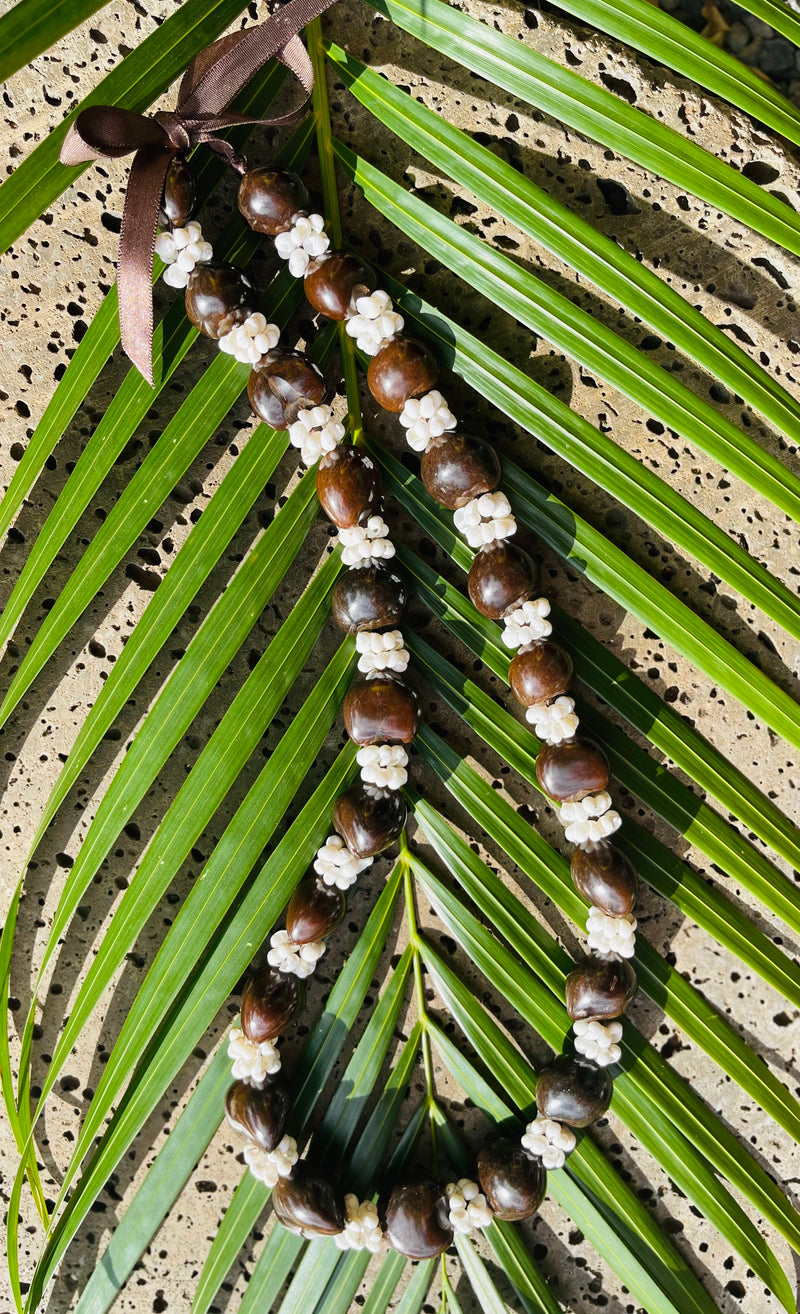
[{"x": 212, "y": 81}]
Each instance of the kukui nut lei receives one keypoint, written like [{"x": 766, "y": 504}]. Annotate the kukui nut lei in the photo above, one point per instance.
[{"x": 382, "y": 713}]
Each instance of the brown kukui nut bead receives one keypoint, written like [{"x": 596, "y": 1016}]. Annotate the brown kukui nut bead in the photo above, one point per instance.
[
  {"x": 382, "y": 709},
  {"x": 417, "y": 1220},
  {"x": 348, "y": 486},
  {"x": 281, "y": 383},
  {"x": 456, "y": 468},
  {"x": 500, "y": 578},
  {"x": 334, "y": 282},
  {"x": 269, "y": 198},
  {"x": 540, "y": 671},
  {"x": 568, "y": 771},
  {"x": 600, "y": 988},
  {"x": 315, "y": 909},
  {"x": 269, "y": 1002},
  {"x": 403, "y": 368},
  {"x": 573, "y": 1091},
  {"x": 369, "y": 598},
  {"x": 369, "y": 820},
  {"x": 513, "y": 1183},
  {"x": 259, "y": 1113},
  {"x": 180, "y": 193},
  {"x": 308, "y": 1204},
  {"x": 218, "y": 297},
  {"x": 604, "y": 876}
]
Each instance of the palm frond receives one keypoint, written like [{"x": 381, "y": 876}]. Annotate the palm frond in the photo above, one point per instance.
[{"x": 362, "y": 1054}]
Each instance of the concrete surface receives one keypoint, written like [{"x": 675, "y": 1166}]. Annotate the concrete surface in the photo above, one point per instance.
[{"x": 52, "y": 284}]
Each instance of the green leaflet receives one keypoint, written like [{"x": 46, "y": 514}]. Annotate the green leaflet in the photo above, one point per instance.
[
  {"x": 158, "y": 1192},
  {"x": 32, "y": 26},
  {"x": 593, "y": 111},
  {"x": 570, "y": 237},
  {"x": 665, "y": 40},
  {"x": 134, "y": 84}
]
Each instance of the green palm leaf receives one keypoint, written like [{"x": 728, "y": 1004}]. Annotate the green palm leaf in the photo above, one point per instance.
[{"x": 353, "y": 1075}]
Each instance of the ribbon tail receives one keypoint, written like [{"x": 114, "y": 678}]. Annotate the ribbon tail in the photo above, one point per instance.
[{"x": 136, "y": 247}]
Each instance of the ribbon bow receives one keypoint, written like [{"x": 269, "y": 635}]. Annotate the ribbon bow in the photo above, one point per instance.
[{"x": 213, "y": 79}]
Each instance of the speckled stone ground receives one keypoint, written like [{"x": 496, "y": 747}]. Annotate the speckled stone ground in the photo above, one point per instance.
[{"x": 51, "y": 286}]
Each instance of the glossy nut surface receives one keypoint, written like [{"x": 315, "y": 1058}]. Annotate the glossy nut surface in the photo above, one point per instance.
[
  {"x": 500, "y": 577},
  {"x": 416, "y": 1219},
  {"x": 180, "y": 193},
  {"x": 315, "y": 909},
  {"x": 403, "y": 368},
  {"x": 308, "y": 1204},
  {"x": 600, "y": 988},
  {"x": 270, "y": 197},
  {"x": 269, "y": 1002},
  {"x": 259, "y": 1114},
  {"x": 381, "y": 710},
  {"x": 604, "y": 876},
  {"x": 369, "y": 822},
  {"x": 282, "y": 383},
  {"x": 348, "y": 486},
  {"x": 573, "y": 1091},
  {"x": 334, "y": 282},
  {"x": 369, "y": 598},
  {"x": 456, "y": 468},
  {"x": 218, "y": 297},
  {"x": 569, "y": 771},
  {"x": 513, "y": 1183},
  {"x": 540, "y": 671}
]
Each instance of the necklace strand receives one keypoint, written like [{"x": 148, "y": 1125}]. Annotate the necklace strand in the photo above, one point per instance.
[{"x": 382, "y": 714}]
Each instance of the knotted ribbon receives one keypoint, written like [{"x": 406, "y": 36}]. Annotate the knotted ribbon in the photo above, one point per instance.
[{"x": 212, "y": 81}]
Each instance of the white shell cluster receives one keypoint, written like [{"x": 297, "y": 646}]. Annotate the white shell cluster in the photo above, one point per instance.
[
  {"x": 301, "y": 243},
  {"x": 287, "y": 955},
  {"x": 252, "y": 1063},
  {"x": 590, "y": 820},
  {"x": 424, "y": 418},
  {"x": 468, "y": 1208},
  {"x": 548, "y": 1140},
  {"x": 381, "y": 652},
  {"x": 315, "y": 432},
  {"x": 269, "y": 1165},
  {"x": 181, "y": 250},
  {"x": 249, "y": 341},
  {"x": 486, "y": 519},
  {"x": 611, "y": 935},
  {"x": 363, "y": 543},
  {"x": 375, "y": 322},
  {"x": 383, "y": 765},
  {"x": 337, "y": 865},
  {"x": 362, "y": 1229},
  {"x": 599, "y": 1042},
  {"x": 527, "y": 623},
  {"x": 555, "y": 721}
]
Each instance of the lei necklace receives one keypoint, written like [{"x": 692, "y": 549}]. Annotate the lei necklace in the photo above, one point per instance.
[{"x": 382, "y": 714}]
